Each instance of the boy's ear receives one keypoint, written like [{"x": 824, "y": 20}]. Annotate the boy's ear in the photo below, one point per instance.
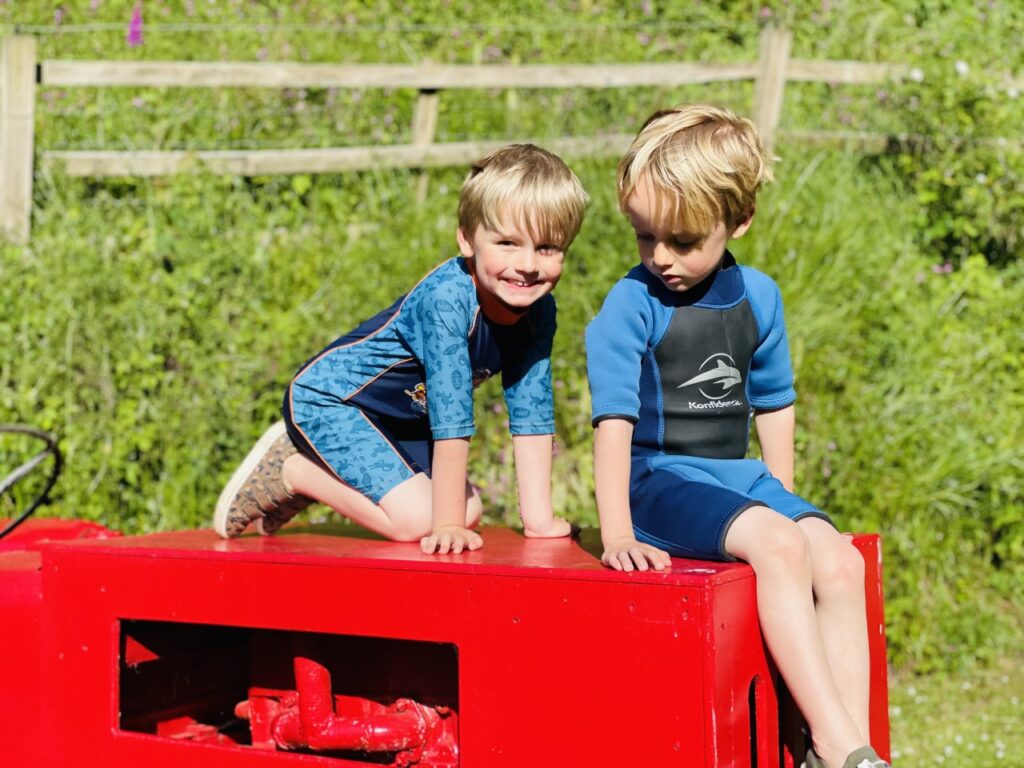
[
  {"x": 743, "y": 225},
  {"x": 465, "y": 246}
]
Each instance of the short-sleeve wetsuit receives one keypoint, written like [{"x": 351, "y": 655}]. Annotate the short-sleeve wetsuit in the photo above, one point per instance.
[
  {"x": 687, "y": 369},
  {"x": 369, "y": 406}
]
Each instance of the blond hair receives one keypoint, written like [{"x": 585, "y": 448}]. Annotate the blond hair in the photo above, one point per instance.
[
  {"x": 523, "y": 184},
  {"x": 703, "y": 163}
]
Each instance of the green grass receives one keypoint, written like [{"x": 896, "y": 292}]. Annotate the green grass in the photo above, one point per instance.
[{"x": 970, "y": 719}]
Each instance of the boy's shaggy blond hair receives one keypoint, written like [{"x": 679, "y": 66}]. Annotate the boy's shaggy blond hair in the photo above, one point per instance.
[
  {"x": 523, "y": 184},
  {"x": 704, "y": 164}
]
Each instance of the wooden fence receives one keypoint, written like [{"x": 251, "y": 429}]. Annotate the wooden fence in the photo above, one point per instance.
[{"x": 20, "y": 73}]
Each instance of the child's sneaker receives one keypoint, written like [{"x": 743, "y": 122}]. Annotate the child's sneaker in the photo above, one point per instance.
[
  {"x": 256, "y": 493},
  {"x": 865, "y": 757},
  {"x": 812, "y": 760}
]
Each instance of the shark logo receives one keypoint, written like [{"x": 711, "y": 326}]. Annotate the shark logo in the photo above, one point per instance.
[{"x": 718, "y": 370}]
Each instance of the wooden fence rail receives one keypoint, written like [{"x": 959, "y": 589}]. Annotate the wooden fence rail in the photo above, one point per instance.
[{"x": 20, "y": 72}]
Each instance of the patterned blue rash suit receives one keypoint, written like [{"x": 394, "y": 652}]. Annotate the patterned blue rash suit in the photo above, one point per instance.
[
  {"x": 368, "y": 407},
  {"x": 687, "y": 369}
]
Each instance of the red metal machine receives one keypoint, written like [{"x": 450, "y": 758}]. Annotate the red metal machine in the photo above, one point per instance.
[{"x": 319, "y": 649}]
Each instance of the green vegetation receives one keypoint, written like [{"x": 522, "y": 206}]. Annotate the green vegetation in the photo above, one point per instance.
[
  {"x": 965, "y": 720},
  {"x": 153, "y": 323}
]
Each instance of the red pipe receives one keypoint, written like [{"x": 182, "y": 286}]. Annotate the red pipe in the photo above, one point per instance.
[{"x": 315, "y": 725}]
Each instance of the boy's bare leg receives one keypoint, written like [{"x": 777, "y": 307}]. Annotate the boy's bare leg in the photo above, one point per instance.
[
  {"x": 402, "y": 515},
  {"x": 838, "y": 578},
  {"x": 779, "y": 552}
]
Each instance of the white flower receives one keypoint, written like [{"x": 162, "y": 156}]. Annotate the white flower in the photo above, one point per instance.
[
  {"x": 916, "y": 75},
  {"x": 1013, "y": 92},
  {"x": 961, "y": 67},
  {"x": 981, "y": 178}
]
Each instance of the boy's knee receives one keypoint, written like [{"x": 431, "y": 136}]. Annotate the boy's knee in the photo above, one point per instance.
[
  {"x": 788, "y": 544},
  {"x": 410, "y": 523},
  {"x": 474, "y": 511},
  {"x": 409, "y": 531},
  {"x": 778, "y": 543},
  {"x": 840, "y": 569}
]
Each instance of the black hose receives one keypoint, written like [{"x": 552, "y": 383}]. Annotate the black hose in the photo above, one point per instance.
[{"x": 9, "y": 481}]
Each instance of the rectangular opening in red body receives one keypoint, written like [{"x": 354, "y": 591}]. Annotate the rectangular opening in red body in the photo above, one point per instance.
[{"x": 242, "y": 686}]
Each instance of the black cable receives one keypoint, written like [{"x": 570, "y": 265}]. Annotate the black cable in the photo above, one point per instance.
[{"x": 9, "y": 481}]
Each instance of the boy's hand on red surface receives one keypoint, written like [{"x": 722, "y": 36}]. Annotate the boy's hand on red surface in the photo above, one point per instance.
[
  {"x": 451, "y": 538},
  {"x": 555, "y": 528},
  {"x": 627, "y": 554}
]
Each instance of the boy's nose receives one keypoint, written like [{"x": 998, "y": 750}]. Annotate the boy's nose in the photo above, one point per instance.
[
  {"x": 527, "y": 260},
  {"x": 662, "y": 256}
]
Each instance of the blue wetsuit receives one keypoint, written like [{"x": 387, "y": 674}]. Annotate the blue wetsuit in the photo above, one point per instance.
[
  {"x": 687, "y": 368},
  {"x": 369, "y": 406}
]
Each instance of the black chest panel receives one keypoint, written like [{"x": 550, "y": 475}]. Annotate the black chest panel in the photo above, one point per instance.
[{"x": 703, "y": 362}]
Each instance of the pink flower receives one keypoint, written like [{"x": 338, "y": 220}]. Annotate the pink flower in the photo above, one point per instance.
[{"x": 133, "y": 37}]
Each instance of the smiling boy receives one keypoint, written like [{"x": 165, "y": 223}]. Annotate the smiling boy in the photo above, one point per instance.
[
  {"x": 377, "y": 425},
  {"x": 687, "y": 346}
]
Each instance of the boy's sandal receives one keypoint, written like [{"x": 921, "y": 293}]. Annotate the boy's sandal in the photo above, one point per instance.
[
  {"x": 256, "y": 493},
  {"x": 865, "y": 757},
  {"x": 812, "y": 760}
]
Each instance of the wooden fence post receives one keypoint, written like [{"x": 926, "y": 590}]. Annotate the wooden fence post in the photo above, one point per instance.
[
  {"x": 770, "y": 85},
  {"x": 17, "y": 127},
  {"x": 424, "y": 128}
]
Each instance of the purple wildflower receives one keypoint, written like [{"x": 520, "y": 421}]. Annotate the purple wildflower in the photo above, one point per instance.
[{"x": 133, "y": 37}]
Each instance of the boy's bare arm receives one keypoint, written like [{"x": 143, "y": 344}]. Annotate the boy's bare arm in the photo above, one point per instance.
[
  {"x": 775, "y": 430},
  {"x": 533, "y": 478},
  {"x": 448, "y": 531},
  {"x": 612, "y": 440}
]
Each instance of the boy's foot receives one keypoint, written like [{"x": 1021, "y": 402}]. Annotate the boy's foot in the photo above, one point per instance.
[
  {"x": 256, "y": 493},
  {"x": 865, "y": 757}
]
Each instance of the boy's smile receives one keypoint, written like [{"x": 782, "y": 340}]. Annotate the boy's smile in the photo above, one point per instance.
[
  {"x": 679, "y": 258},
  {"x": 510, "y": 266}
]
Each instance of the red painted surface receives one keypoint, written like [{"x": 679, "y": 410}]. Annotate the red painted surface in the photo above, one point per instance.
[
  {"x": 149, "y": 644},
  {"x": 35, "y": 532},
  {"x": 22, "y": 696}
]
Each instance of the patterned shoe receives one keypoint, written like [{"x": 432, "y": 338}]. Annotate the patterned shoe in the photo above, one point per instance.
[
  {"x": 865, "y": 757},
  {"x": 255, "y": 493}
]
